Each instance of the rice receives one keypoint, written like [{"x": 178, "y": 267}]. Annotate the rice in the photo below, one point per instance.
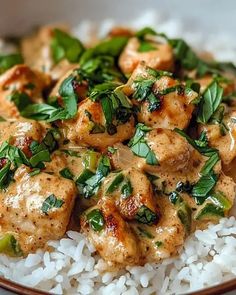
[{"x": 72, "y": 267}]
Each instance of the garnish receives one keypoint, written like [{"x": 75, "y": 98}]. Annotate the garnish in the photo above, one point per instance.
[
  {"x": 88, "y": 182},
  {"x": 66, "y": 173},
  {"x": 126, "y": 189},
  {"x": 210, "y": 101},
  {"x": 51, "y": 202},
  {"x": 145, "y": 45},
  {"x": 146, "y": 216},
  {"x": 139, "y": 146},
  {"x": 116, "y": 106},
  {"x": 8, "y": 61},
  {"x": 116, "y": 182},
  {"x": 10, "y": 246},
  {"x": 65, "y": 46},
  {"x": 96, "y": 220}
]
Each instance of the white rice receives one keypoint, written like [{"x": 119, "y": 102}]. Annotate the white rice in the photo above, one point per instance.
[{"x": 208, "y": 257}]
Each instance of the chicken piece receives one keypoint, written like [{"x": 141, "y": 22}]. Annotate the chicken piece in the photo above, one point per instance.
[
  {"x": 160, "y": 58},
  {"x": 175, "y": 110},
  {"x": 115, "y": 242},
  {"x": 164, "y": 239},
  {"x": 172, "y": 152},
  {"x": 139, "y": 193},
  {"x": 20, "y": 131},
  {"x": 36, "y": 50},
  {"x": 20, "y": 79},
  {"x": 78, "y": 130},
  {"x": 224, "y": 142},
  {"x": 22, "y": 213}
]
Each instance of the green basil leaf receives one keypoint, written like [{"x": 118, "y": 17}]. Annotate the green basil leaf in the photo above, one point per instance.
[
  {"x": 211, "y": 99},
  {"x": 21, "y": 100},
  {"x": 141, "y": 34},
  {"x": 8, "y": 61},
  {"x": 51, "y": 202},
  {"x": 66, "y": 173},
  {"x": 65, "y": 46},
  {"x": 96, "y": 220},
  {"x": 126, "y": 189},
  {"x": 116, "y": 182},
  {"x": 146, "y": 216},
  {"x": 203, "y": 187},
  {"x": 210, "y": 163}
]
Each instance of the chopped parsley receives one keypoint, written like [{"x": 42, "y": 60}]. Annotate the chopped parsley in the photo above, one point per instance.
[
  {"x": 8, "y": 61},
  {"x": 88, "y": 182},
  {"x": 96, "y": 220},
  {"x": 65, "y": 46},
  {"x": 116, "y": 182},
  {"x": 66, "y": 173},
  {"x": 146, "y": 216},
  {"x": 51, "y": 202},
  {"x": 139, "y": 145}
]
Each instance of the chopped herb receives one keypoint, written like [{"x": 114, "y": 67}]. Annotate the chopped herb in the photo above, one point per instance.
[
  {"x": 174, "y": 197},
  {"x": 51, "y": 202},
  {"x": 203, "y": 187},
  {"x": 66, "y": 173},
  {"x": 209, "y": 164},
  {"x": 8, "y": 61},
  {"x": 158, "y": 244},
  {"x": 145, "y": 233},
  {"x": 52, "y": 113},
  {"x": 116, "y": 182},
  {"x": 2, "y": 119},
  {"x": 126, "y": 189},
  {"x": 34, "y": 172},
  {"x": 111, "y": 149},
  {"x": 210, "y": 210},
  {"x": 88, "y": 182},
  {"x": 21, "y": 100},
  {"x": 72, "y": 153},
  {"x": 220, "y": 200},
  {"x": 146, "y": 216},
  {"x": 217, "y": 118},
  {"x": 96, "y": 220},
  {"x": 96, "y": 127},
  {"x": 65, "y": 46},
  {"x": 210, "y": 101},
  {"x": 140, "y": 147},
  {"x": 111, "y": 47},
  {"x": 10, "y": 246},
  {"x": 145, "y": 45}
]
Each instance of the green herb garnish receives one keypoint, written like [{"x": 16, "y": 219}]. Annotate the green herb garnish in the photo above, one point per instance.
[
  {"x": 96, "y": 220},
  {"x": 146, "y": 216},
  {"x": 51, "y": 202},
  {"x": 8, "y": 61},
  {"x": 66, "y": 173}
]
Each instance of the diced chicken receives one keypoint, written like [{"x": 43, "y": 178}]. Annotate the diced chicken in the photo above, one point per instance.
[
  {"x": 78, "y": 129},
  {"x": 164, "y": 239},
  {"x": 36, "y": 50},
  {"x": 160, "y": 58},
  {"x": 176, "y": 106},
  {"x": 20, "y": 79},
  {"x": 141, "y": 194},
  {"x": 116, "y": 242},
  {"x": 21, "y": 208}
]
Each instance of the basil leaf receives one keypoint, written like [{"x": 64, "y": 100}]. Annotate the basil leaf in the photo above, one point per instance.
[
  {"x": 21, "y": 100},
  {"x": 8, "y": 61},
  {"x": 42, "y": 156},
  {"x": 51, "y": 202},
  {"x": 141, "y": 34},
  {"x": 88, "y": 182},
  {"x": 210, "y": 163},
  {"x": 139, "y": 146},
  {"x": 146, "y": 216},
  {"x": 111, "y": 47},
  {"x": 211, "y": 99},
  {"x": 126, "y": 189},
  {"x": 116, "y": 182},
  {"x": 96, "y": 220},
  {"x": 204, "y": 185},
  {"x": 34, "y": 172},
  {"x": 5, "y": 175},
  {"x": 66, "y": 173},
  {"x": 65, "y": 46}
]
